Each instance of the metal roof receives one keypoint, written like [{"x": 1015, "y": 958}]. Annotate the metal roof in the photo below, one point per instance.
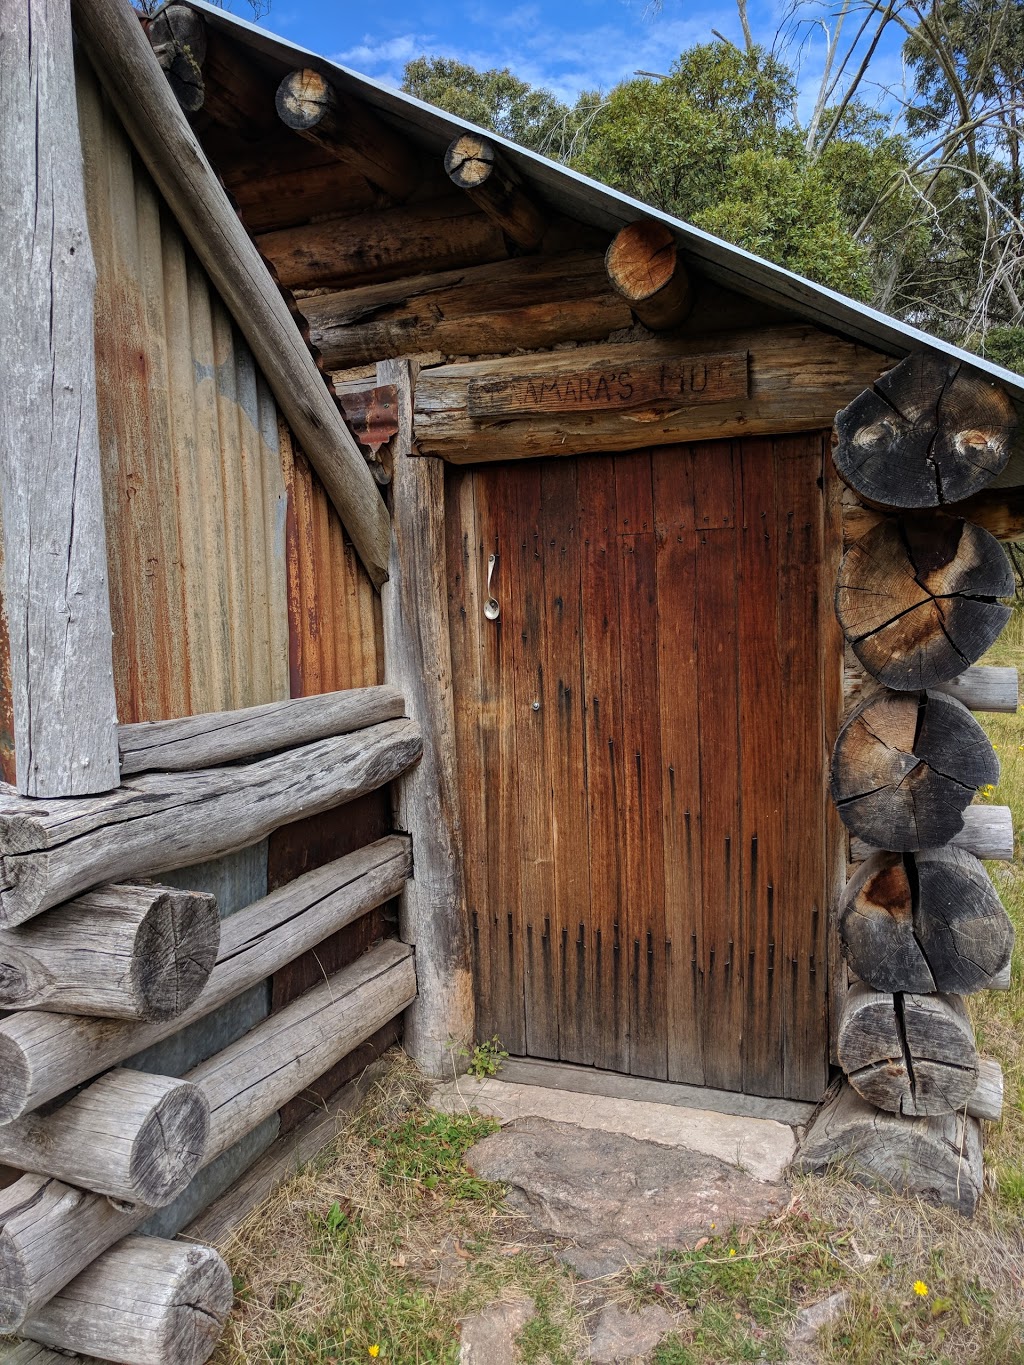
[{"x": 591, "y": 202}]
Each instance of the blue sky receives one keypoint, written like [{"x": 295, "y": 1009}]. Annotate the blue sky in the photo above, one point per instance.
[{"x": 566, "y": 45}]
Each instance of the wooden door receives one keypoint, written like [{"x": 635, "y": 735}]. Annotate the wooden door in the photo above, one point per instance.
[{"x": 641, "y": 749}]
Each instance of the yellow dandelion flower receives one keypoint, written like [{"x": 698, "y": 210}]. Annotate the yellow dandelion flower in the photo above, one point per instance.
[
  {"x": 920, "y": 1289},
  {"x": 374, "y": 1350},
  {"x": 732, "y": 1251}
]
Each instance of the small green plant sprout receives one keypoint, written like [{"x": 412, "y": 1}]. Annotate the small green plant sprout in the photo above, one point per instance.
[{"x": 485, "y": 1058}]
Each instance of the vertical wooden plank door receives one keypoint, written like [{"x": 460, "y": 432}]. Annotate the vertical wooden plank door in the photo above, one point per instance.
[{"x": 641, "y": 748}]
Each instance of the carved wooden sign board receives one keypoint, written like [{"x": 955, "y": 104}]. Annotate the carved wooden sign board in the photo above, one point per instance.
[{"x": 670, "y": 382}]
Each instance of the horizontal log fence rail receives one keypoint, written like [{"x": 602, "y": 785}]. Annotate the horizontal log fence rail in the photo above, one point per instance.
[
  {"x": 920, "y": 596},
  {"x": 94, "y": 970}
]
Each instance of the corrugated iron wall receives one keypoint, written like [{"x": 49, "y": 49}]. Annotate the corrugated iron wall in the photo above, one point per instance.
[{"x": 194, "y": 492}]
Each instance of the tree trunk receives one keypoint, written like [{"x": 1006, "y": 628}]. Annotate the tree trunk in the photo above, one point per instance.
[
  {"x": 937, "y": 1159},
  {"x": 42, "y": 1055},
  {"x": 928, "y": 921},
  {"x": 147, "y": 1301},
  {"x": 909, "y": 1054},
  {"x": 906, "y": 766},
  {"x": 917, "y": 599},
  {"x": 129, "y": 1135},
  {"x": 927, "y": 433},
  {"x": 168, "y": 820},
  {"x": 121, "y": 952},
  {"x": 312, "y": 107},
  {"x": 644, "y": 267},
  {"x": 58, "y": 607}
]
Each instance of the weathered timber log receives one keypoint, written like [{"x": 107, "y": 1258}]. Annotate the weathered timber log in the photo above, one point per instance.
[
  {"x": 120, "y": 952},
  {"x": 312, "y": 107},
  {"x": 43, "y": 1055},
  {"x": 522, "y": 302},
  {"x": 286, "y": 182},
  {"x": 928, "y": 921},
  {"x": 160, "y": 821},
  {"x": 55, "y": 561},
  {"x": 31, "y": 1353},
  {"x": 905, "y": 767},
  {"x": 148, "y": 1301},
  {"x": 937, "y": 1158},
  {"x": 49, "y": 1232},
  {"x": 918, "y": 599},
  {"x": 177, "y": 36},
  {"x": 136, "y": 87},
  {"x": 908, "y": 1054},
  {"x": 987, "y": 833},
  {"x": 1003, "y": 980},
  {"x": 417, "y": 653},
  {"x": 929, "y": 432},
  {"x": 474, "y": 165},
  {"x": 987, "y": 1100},
  {"x": 130, "y": 1135},
  {"x": 438, "y": 234},
  {"x": 643, "y": 265},
  {"x": 982, "y": 687},
  {"x": 225, "y": 736},
  {"x": 1000, "y": 511},
  {"x": 797, "y": 374}
]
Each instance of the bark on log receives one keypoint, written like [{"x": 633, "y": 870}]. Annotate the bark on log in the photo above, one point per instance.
[
  {"x": 55, "y": 562},
  {"x": 308, "y": 104},
  {"x": 908, "y": 1054},
  {"x": 147, "y": 1301},
  {"x": 797, "y": 375},
  {"x": 129, "y": 1135},
  {"x": 905, "y": 767},
  {"x": 136, "y": 87},
  {"x": 49, "y": 1233},
  {"x": 43, "y": 1055},
  {"x": 119, "y": 952},
  {"x": 929, "y": 432},
  {"x": 226, "y": 736},
  {"x": 928, "y": 921},
  {"x": 473, "y": 164},
  {"x": 514, "y": 304},
  {"x": 177, "y": 36},
  {"x": 644, "y": 267},
  {"x": 987, "y": 833},
  {"x": 440, "y": 234},
  {"x": 938, "y": 1159},
  {"x": 987, "y": 1100},
  {"x": 162, "y": 821},
  {"x": 417, "y": 653},
  {"x": 918, "y": 599}
]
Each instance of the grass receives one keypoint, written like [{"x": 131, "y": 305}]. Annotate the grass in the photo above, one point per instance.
[{"x": 382, "y": 1245}]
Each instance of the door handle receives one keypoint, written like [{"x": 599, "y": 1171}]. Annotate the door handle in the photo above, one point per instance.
[{"x": 491, "y": 608}]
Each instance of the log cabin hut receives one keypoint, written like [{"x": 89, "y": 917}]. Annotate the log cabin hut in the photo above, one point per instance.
[{"x": 471, "y": 603}]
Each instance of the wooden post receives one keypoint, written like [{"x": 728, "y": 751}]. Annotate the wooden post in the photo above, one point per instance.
[
  {"x": 135, "y": 85},
  {"x": 417, "y": 660},
  {"x": 58, "y": 607}
]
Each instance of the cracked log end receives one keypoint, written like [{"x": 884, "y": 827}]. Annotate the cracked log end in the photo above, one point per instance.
[
  {"x": 929, "y": 432},
  {"x": 918, "y": 599},
  {"x": 905, "y": 767},
  {"x": 644, "y": 266},
  {"x": 938, "y": 1159}
]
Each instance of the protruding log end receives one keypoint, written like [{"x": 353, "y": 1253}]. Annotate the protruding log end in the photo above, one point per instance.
[
  {"x": 929, "y": 432},
  {"x": 919, "y": 599},
  {"x": 938, "y": 1159},
  {"x": 175, "y": 951},
  {"x": 177, "y": 36},
  {"x": 474, "y": 166},
  {"x": 905, "y": 767},
  {"x": 170, "y": 1145},
  {"x": 644, "y": 267},
  {"x": 304, "y": 99},
  {"x": 187, "y": 1291}
]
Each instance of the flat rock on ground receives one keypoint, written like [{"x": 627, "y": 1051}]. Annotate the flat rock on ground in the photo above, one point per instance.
[
  {"x": 489, "y": 1337},
  {"x": 617, "y": 1197},
  {"x": 620, "y": 1336}
]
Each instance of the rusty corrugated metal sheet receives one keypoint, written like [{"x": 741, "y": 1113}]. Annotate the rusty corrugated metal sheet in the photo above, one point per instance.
[
  {"x": 194, "y": 490},
  {"x": 334, "y": 615}
]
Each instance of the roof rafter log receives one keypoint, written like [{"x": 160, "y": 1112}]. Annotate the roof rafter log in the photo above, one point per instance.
[
  {"x": 131, "y": 77},
  {"x": 62, "y": 678},
  {"x": 315, "y": 109},
  {"x": 474, "y": 166},
  {"x": 644, "y": 266}
]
